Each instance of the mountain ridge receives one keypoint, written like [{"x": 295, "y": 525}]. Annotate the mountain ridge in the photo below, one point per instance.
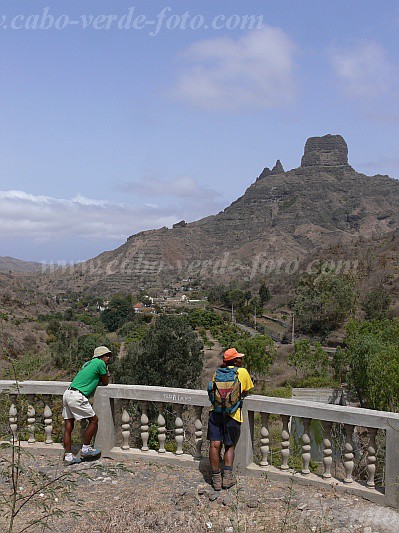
[
  {"x": 282, "y": 215},
  {"x": 11, "y": 264}
]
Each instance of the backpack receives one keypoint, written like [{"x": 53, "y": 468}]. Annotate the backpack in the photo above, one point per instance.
[{"x": 224, "y": 391}]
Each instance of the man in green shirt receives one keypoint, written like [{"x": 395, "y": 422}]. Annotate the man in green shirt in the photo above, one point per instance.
[{"x": 76, "y": 405}]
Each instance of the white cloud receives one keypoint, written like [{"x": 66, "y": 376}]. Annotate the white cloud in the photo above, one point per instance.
[
  {"x": 253, "y": 72},
  {"x": 46, "y": 219},
  {"x": 365, "y": 69},
  {"x": 180, "y": 187}
]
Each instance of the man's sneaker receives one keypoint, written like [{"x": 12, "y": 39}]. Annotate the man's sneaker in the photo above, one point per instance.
[
  {"x": 217, "y": 481},
  {"x": 91, "y": 453},
  {"x": 72, "y": 461},
  {"x": 229, "y": 479}
]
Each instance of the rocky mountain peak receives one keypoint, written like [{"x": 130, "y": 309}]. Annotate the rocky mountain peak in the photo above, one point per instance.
[
  {"x": 283, "y": 215},
  {"x": 327, "y": 151},
  {"x": 278, "y": 168},
  {"x": 265, "y": 172}
]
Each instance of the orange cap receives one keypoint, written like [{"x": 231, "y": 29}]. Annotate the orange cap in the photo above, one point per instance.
[{"x": 231, "y": 354}]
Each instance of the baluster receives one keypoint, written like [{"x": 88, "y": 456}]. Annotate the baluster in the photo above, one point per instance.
[
  {"x": 327, "y": 449},
  {"x": 13, "y": 419},
  {"x": 83, "y": 425},
  {"x": 125, "y": 427},
  {"x": 31, "y": 424},
  {"x": 144, "y": 427},
  {"x": 161, "y": 422},
  {"x": 371, "y": 458},
  {"x": 306, "y": 447},
  {"x": 179, "y": 429},
  {"x": 264, "y": 441},
  {"x": 348, "y": 455},
  {"x": 48, "y": 421},
  {"x": 198, "y": 432},
  {"x": 285, "y": 442}
]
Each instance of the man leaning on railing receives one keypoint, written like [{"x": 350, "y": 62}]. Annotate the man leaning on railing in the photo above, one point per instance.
[{"x": 76, "y": 405}]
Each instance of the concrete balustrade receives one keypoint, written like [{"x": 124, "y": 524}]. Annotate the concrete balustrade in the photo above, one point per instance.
[{"x": 115, "y": 433}]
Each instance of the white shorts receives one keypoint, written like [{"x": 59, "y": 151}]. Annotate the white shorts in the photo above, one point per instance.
[{"x": 76, "y": 405}]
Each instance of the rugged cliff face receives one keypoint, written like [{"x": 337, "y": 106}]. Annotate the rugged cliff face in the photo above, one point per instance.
[{"x": 282, "y": 216}]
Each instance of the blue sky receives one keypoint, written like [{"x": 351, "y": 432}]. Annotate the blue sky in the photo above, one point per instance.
[{"x": 118, "y": 117}]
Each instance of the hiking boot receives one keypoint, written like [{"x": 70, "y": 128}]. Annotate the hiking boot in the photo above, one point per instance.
[
  {"x": 217, "y": 481},
  {"x": 228, "y": 479},
  {"x": 90, "y": 454}
]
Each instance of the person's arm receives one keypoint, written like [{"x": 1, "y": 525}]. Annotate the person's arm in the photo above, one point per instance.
[
  {"x": 104, "y": 376},
  {"x": 104, "y": 380},
  {"x": 247, "y": 385}
]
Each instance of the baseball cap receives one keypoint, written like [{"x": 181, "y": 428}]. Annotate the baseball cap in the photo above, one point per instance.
[
  {"x": 231, "y": 354},
  {"x": 100, "y": 351}
]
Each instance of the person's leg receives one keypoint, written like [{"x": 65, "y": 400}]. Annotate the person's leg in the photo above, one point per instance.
[
  {"x": 215, "y": 436},
  {"x": 232, "y": 435},
  {"x": 68, "y": 428},
  {"x": 229, "y": 456},
  {"x": 214, "y": 455},
  {"x": 214, "y": 459},
  {"x": 90, "y": 430},
  {"x": 228, "y": 479}
]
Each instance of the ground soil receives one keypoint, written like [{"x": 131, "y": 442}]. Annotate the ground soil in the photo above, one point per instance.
[{"x": 139, "y": 496}]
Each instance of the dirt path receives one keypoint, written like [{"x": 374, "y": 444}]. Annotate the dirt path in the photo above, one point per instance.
[{"x": 139, "y": 497}]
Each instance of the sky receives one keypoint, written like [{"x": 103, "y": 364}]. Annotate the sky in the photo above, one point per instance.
[{"x": 119, "y": 117}]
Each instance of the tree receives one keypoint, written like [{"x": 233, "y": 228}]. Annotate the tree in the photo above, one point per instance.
[
  {"x": 248, "y": 296},
  {"x": 120, "y": 310},
  {"x": 204, "y": 318},
  {"x": 376, "y": 304},
  {"x": 169, "y": 355},
  {"x": 259, "y": 353},
  {"x": 264, "y": 293},
  {"x": 323, "y": 301},
  {"x": 235, "y": 297},
  {"x": 311, "y": 358},
  {"x": 215, "y": 294},
  {"x": 372, "y": 359},
  {"x": 70, "y": 351}
]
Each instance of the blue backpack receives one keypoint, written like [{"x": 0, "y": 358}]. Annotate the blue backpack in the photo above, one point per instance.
[{"x": 224, "y": 391}]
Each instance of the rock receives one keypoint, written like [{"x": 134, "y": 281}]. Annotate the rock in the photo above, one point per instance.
[
  {"x": 227, "y": 500},
  {"x": 252, "y": 504},
  {"x": 328, "y": 151},
  {"x": 213, "y": 496},
  {"x": 265, "y": 172},
  {"x": 278, "y": 168},
  {"x": 302, "y": 507},
  {"x": 181, "y": 224}
]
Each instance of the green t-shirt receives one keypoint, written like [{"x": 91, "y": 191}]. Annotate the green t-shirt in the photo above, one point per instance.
[{"x": 86, "y": 380}]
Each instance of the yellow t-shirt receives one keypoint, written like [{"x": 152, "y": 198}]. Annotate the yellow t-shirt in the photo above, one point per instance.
[{"x": 246, "y": 385}]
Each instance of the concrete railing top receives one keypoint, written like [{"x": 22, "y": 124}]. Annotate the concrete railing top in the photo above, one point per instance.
[
  {"x": 34, "y": 387},
  {"x": 264, "y": 404}
]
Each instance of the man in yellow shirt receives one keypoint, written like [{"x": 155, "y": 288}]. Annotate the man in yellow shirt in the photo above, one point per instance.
[{"x": 225, "y": 428}]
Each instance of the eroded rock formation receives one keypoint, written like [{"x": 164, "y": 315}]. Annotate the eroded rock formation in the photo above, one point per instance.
[{"x": 327, "y": 151}]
